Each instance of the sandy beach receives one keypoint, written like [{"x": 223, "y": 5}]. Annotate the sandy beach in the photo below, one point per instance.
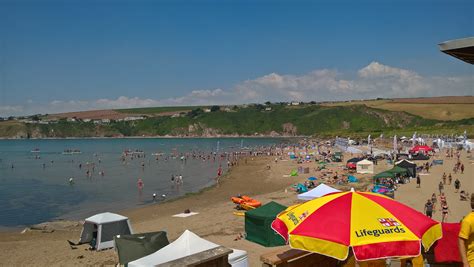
[{"x": 216, "y": 221}]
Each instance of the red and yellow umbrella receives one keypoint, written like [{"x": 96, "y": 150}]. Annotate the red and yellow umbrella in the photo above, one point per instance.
[{"x": 373, "y": 225}]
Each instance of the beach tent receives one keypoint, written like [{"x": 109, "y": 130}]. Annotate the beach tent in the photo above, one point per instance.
[
  {"x": 106, "y": 225},
  {"x": 188, "y": 244},
  {"x": 318, "y": 191},
  {"x": 294, "y": 173},
  {"x": 258, "y": 225},
  {"x": 384, "y": 175},
  {"x": 365, "y": 166},
  {"x": 355, "y": 160},
  {"x": 410, "y": 166},
  {"x": 133, "y": 247},
  {"x": 398, "y": 170},
  {"x": 423, "y": 149}
]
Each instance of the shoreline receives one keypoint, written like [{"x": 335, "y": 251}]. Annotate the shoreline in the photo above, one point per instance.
[
  {"x": 123, "y": 210},
  {"x": 164, "y": 137}
]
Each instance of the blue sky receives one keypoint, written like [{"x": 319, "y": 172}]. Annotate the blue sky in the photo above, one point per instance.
[{"x": 61, "y": 55}]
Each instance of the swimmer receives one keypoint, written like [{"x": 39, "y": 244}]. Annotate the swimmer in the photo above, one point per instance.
[
  {"x": 71, "y": 181},
  {"x": 140, "y": 184},
  {"x": 154, "y": 196}
]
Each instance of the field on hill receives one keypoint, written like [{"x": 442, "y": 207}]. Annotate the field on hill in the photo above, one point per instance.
[
  {"x": 157, "y": 110},
  {"x": 437, "y": 108}
]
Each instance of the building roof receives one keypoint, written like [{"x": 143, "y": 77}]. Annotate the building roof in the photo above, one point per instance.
[{"x": 462, "y": 49}]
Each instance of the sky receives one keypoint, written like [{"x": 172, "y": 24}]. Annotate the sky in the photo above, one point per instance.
[{"x": 68, "y": 55}]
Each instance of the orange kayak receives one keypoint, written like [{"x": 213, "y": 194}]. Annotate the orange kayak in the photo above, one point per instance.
[{"x": 246, "y": 201}]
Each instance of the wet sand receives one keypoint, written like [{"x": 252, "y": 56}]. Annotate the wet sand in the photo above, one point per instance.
[{"x": 216, "y": 221}]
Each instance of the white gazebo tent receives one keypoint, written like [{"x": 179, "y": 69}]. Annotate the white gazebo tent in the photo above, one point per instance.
[
  {"x": 365, "y": 166},
  {"x": 187, "y": 244},
  {"x": 318, "y": 191},
  {"x": 106, "y": 225}
]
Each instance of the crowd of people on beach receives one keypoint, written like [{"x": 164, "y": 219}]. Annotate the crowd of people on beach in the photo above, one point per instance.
[{"x": 444, "y": 184}]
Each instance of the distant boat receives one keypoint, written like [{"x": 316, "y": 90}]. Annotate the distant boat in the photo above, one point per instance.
[
  {"x": 36, "y": 150},
  {"x": 71, "y": 151}
]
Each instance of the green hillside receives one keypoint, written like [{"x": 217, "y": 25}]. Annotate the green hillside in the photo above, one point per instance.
[{"x": 316, "y": 120}]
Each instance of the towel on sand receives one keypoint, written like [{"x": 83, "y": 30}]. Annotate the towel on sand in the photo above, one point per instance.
[{"x": 184, "y": 215}]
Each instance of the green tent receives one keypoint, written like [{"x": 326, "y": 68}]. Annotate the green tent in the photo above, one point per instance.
[
  {"x": 136, "y": 246},
  {"x": 398, "y": 170},
  {"x": 385, "y": 174},
  {"x": 258, "y": 225}
]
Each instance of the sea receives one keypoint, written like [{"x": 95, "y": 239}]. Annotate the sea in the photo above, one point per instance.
[{"x": 35, "y": 174}]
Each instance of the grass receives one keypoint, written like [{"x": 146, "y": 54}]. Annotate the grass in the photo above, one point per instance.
[{"x": 12, "y": 128}]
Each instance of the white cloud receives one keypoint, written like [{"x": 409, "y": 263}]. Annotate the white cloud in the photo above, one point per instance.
[
  {"x": 377, "y": 70},
  {"x": 372, "y": 81},
  {"x": 11, "y": 110}
]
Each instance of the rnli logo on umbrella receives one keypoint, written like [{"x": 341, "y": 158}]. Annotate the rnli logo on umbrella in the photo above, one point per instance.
[
  {"x": 304, "y": 215},
  {"x": 388, "y": 222}
]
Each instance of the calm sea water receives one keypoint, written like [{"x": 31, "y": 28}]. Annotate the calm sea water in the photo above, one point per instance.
[{"x": 34, "y": 187}]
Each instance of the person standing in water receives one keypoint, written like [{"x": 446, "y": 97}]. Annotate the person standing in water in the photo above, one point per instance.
[
  {"x": 140, "y": 184},
  {"x": 219, "y": 171}
]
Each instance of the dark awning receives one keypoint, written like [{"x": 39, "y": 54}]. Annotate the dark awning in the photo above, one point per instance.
[{"x": 462, "y": 49}]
